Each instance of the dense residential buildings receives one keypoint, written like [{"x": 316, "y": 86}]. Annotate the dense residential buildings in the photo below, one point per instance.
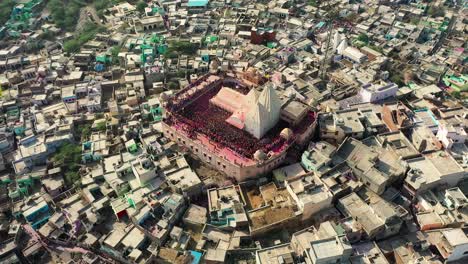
[{"x": 210, "y": 131}]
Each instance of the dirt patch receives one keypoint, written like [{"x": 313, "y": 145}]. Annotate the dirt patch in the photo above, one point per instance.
[
  {"x": 255, "y": 198},
  {"x": 270, "y": 216},
  {"x": 208, "y": 175}
]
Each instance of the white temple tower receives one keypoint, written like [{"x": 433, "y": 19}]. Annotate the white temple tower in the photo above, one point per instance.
[{"x": 264, "y": 114}]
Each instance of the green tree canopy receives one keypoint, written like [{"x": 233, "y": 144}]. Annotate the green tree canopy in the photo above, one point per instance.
[
  {"x": 68, "y": 156},
  {"x": 172, "y": 85},
  {"x": 6, "y": 6},
  {"x": 65, "y": 13},
  {"x": 436, "y": 11},
  {"x": 140, "y": 6},
  {"x": 89, "y": 31},
  {"x": 115, "y": 50},
  {"x": 363, "y": 37},
  {"x": 72, "y": 46},
  {"x": 182, "y": 47}
]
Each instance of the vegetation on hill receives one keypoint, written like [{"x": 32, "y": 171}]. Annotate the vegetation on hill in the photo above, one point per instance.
[
  {"x": 65, "y": 13},
  {"x": 101, "y": 5},
  {"x": 5, "y": 10},
  {"x": 89, "y": 31}
]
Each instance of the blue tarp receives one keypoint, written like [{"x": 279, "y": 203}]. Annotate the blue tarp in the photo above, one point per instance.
[{"x": 196, "y": 256}]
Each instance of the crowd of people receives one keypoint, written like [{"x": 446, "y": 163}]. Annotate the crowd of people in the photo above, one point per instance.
[{"x": 205, "y": 118}]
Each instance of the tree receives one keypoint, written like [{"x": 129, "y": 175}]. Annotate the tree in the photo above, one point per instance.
[
  {"x": 34, "y": 46},
  {"x": 181, "y": 74},
  {"x": 100, "y": 5},
  {"x": 376, "y": 48},
  {"x": 436, "y": 11},
  {"x": 47, "y": 35},
  {"x": 397, "y": 79},
  {"x": 83, "y": 131},
  {"x": 172, "y": 85},
  {"x": 352, "y": 17},
  {"x": 140, "y": 6},
  {"x": 115, "y": 50},
  {"x": 6, "y": 7},
  {"x": 456, "y": 94},
  {"x": 71, "y": 46},
  {"x": 171, "y": 55},
  {"x": 182, "y": 47},
  {"x": 414, "y": 20},
  {"x": 71, "y": 178},
  {"x": 68, "y": 156},
  {"x": 89, "y": 31},
  {"x": 101, "y": 126},
  {"x": 363, "y": 38},
  {"x": 312, "y": 3},
  {"x": 65, "y": 16}
]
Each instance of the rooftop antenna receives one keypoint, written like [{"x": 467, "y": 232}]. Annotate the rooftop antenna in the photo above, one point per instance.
[{"x": 330, "y": 18}]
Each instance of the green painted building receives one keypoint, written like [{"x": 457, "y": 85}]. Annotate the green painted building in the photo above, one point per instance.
[{"x": 458, "y": 83}]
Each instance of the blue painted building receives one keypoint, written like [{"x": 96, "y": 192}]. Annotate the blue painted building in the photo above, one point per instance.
[
  {"x": 36, "y": 213},
  {"x": 197, "y": 3}
]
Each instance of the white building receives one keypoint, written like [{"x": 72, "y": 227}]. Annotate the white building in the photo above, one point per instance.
[
  {"x": 310, "y": 194},
  {"x": 329, "y": 250},
  {"x": 451, "y": 243},
  {"x": 144, "y": 169},
  {"x": 280, "y": 254},
  {"x": 376, "y": 92},
  {"x": 449, "y": 134},
  {"x": 354, "y": 54},
  {"x": 431, "y": 170},
  {"x": 458, "y": 242}
]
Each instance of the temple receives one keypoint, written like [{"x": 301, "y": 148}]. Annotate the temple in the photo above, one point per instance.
[
  {"x": 241, "y": 129},
  {"x": 252, "y": 112}
]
